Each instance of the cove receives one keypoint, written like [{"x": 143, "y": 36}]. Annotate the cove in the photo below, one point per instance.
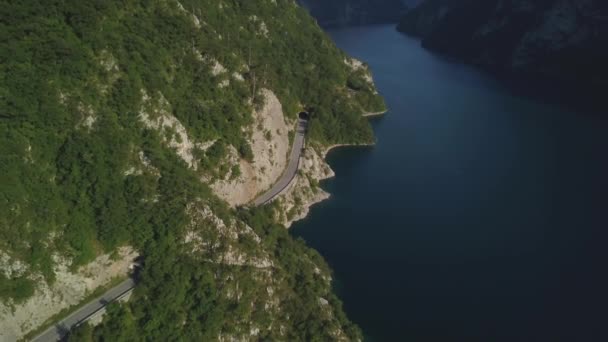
[{"x": 480, "y": 214}]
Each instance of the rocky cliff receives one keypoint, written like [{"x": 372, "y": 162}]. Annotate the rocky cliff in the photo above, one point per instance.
[{"x": 561, "y": 39}]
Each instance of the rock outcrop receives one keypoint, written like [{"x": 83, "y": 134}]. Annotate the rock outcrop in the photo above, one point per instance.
[
  {"x": 240, "y": 259},
  {"x": 270, "y": 146},
  {"x": 304, "y": 191}
]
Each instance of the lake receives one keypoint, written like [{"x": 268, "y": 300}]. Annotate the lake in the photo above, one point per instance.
[{"x": 480, "y": 214}]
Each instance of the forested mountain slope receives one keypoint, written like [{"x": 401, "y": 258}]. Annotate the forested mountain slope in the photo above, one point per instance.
[
  {"x": 118, "y": 120},
  {"x": 560, "y": 39},
  {"x": 338, "y": 13}
]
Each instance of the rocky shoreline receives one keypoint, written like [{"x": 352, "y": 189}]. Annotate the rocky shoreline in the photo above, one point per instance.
[{"x": 304, "y": 191}]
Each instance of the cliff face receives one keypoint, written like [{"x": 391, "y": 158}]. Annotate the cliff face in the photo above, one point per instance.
[
  {"x": 270, "y": 146},
  {"x": 562, "y": 39},
  {"x": 354, "y": 12}
]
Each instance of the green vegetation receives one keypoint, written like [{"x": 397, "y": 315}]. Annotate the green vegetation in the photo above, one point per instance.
[
  {"x": 186, "y": 293},
  {"x": 82, "y": 175},
  {"x": 18, "y": 289}
]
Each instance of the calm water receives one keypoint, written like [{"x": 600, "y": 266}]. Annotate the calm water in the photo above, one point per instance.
[{"x": 481, "y": 214}]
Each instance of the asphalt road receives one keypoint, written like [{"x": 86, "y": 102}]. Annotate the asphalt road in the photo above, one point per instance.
[
  {"x": 61, "y": 328},
  {"x": 292, "y": 167}
]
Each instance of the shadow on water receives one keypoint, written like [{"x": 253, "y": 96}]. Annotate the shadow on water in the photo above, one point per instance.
[{"x": 584, "y": 98}]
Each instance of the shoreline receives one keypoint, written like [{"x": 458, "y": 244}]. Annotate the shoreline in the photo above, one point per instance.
[
  {"x": 334, "y": 146},
  {"x": 365, "y": 115},
  {"x": 321, "y": 195},
  {"x": 322, "y": 151},
  {"x": 372, "y": 114}
]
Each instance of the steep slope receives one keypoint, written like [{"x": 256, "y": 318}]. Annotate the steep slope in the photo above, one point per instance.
[
  {"x": 423, "y": 19},
  {"x": 561, "y": 39},
  {"x": 135, "y": 126},
  {"x": 354, "y": 12}
]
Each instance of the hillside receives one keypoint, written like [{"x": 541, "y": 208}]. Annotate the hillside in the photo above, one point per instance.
[
  {"x": 339, "y": 13},
  {"x": 559, "y": 39},
  {"x": 137, "y": 129}
]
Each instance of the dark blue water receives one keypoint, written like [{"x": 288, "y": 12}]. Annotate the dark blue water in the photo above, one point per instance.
[{"x": 480, "y": 215}]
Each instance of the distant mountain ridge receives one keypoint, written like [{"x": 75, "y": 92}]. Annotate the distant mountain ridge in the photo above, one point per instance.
[
  {"x": 338, "y": 13},
  {"x": 562, "y": 39}
]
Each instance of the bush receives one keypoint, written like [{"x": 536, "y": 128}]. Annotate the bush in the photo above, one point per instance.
[{"x": 18, "y": 289}]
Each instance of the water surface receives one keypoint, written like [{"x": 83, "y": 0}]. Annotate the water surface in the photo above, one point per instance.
[{"x": 480, "y": 215}]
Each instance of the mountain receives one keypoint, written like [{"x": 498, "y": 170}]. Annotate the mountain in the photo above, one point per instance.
[
  {"x": 141, "y": 130},
  {"x": 559, "y": 39},
  {"x": 338, "y": 13}
]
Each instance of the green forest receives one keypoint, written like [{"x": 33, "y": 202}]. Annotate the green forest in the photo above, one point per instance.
[{"x": 73, "y": 78}]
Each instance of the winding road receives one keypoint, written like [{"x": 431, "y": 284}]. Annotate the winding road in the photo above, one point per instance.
[
  {"x": 292, "y": 166},
  {"x": 61, "y": 328}
]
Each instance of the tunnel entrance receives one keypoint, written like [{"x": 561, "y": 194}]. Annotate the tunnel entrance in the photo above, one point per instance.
[{"x": 304, "y": 115}]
